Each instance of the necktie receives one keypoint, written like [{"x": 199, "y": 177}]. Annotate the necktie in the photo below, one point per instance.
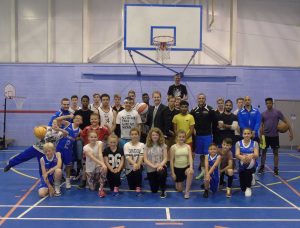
[{"x": 154, "y": 114}]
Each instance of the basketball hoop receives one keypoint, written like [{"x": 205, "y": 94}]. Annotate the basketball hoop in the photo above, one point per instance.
[
  {"x": 19, "y": 101},
  {"x": 163, "y": 45}
]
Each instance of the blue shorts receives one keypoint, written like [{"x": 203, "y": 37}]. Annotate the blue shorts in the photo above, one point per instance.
[
  {"x": 43, "y": 183},
  {"x": 202, "y": 144},
  {"x": 66, "y": 156}
]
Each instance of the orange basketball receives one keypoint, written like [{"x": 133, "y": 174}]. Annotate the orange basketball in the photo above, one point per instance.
[
  {"x": 39, "y": 132},
  {"x": 282, "y": 127},
  {"x": 142, "y": 108}
]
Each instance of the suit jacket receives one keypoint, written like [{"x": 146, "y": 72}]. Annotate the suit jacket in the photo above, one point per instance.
[{"x": 158, "y": 120}]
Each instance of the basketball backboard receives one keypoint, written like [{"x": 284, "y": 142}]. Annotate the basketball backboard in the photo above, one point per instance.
[{"x": 144, "y": 22}]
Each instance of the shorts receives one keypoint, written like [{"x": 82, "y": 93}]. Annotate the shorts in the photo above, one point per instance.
[
  {"x": 180, "y": 174},
  {"x": 272, "y": 142},
  {"x": 66, "y": 156},
  {"x": 43, "y": 183},
  {"x": 202, "y": 144}
]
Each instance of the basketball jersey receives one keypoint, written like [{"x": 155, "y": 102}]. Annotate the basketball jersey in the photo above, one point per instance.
[
  {"x": 106, "y": 118},
  {"x": 66, "y": 143},
  {"x": 50, "y": 163},
  {"x": 211, "y": 162},
  {"x": 114, "y": 158},
  {"x": 249, "y": 149}
]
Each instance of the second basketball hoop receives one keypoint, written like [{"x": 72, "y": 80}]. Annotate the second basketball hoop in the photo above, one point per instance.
[{"x": 163, "y": 45}]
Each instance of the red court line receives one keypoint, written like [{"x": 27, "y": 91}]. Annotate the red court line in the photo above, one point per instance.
[
  {"x": 8, "y": 214},
  {"x": 285, "y": 182},
  {"x": 30, "y": 111}
]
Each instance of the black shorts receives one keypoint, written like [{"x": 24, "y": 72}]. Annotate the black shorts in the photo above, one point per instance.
[
  {"x": 180, "y": 174},
  {"x": 272, "y": 142}
]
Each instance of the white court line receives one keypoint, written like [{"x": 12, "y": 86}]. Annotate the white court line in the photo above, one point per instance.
[
  {"x": 168, "y": 214},
  {"x": 157, "y": 220},
  {"x": 24, "y": 169},
  {"x": 33, "y": 206},
  {"x": 128, "y": 207},
  {"x": 280, "y": 196}
]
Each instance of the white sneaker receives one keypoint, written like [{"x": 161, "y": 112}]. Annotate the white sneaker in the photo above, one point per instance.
[
  {"x": 248, "y": 192},
  {"x": 253, "y": 180},
  {"x": 68, "y": 183}
]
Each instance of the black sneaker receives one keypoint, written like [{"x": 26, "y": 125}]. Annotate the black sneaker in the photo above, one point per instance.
[
  {"x": 163, "y": 195},
  {"x": 276, "y": 171},
  {"x": 205, "y": 194},
  {"x": 261, "y": 169},
  {"x": 82, "y": 184},
  {"x": 6, "y": 168}
]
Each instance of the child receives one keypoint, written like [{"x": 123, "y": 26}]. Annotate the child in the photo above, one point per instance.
[
  {"x": 65, "y": 144},
  {"x": 134, "y": 152},
  {"x": 114, "y": 160},
  {"x": 247, "y": 153},
  {"x": 226, "y": 167},
  {"x": 155, "y": 157},
  {"x": 181, "y": 162},
  {"x": 95, "y": 168},
  {"x": 211, "y": 162},
  {"x": 51, "y": 172}
]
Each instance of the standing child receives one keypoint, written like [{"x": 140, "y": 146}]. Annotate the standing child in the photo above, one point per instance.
[
  {"x": 51, "y": 172},
  {"x": 211, "y": 162},
  {"x": 114, "y": 160},
  {"x": 226, "y": 167},
  {"x": 155, "y": 157},
  {"x": 247, "y": 153},
  {"x": 95, "y": 168},
  {"x": 134, "y": 153},
  {"x": 181, "y": 162}
]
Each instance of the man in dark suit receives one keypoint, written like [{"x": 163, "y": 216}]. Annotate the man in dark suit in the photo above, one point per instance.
[{"x": 155, "y": 113}]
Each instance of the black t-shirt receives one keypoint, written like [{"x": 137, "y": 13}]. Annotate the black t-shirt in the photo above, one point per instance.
[
  {"x": 204, "y": 120},
  {"x": 167, "y": 120},
  {"x": 177, "y": 91},
  {"x": 228, "y": 120},
  {"x": 86, "y": 115},
  {"x": 114, "y": 158},
  {"x": 117, "y": 110}
]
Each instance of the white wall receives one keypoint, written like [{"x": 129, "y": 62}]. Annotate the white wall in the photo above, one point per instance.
[{"x": 268, "y": 32}]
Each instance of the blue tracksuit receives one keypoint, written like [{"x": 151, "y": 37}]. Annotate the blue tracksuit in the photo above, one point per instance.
[
  {"x": 249, "y": 119},
  {"x": 59, "y": 113}
]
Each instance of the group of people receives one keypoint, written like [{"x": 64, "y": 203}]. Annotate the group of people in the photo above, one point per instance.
[{"x": 105, "y": 140}]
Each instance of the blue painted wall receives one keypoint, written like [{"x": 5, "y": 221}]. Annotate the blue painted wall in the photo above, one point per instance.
[{"x": 44, "y": 85}]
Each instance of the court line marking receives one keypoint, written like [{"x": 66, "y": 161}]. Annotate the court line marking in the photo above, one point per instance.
[
  {"x": 23, "y": 174},
  {"x": 168, "y": 214},
  {"x": 150, "y": 208},
  {"x": 158, "y": 220},
  {"x": 18, "y": 203},
  {"x": 280, "y": 196},
  {"x": 286, "y": 183},
  {"x": 293, "y": 155}
]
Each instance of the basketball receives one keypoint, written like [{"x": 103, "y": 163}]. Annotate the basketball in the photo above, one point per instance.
[
  {"x": 39, "y": 132},
  {"x": 142, "y": 108},
  {"x": 282, "y": 127}
]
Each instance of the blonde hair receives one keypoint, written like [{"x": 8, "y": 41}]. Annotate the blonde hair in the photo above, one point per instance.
[
  {"x": 134, "y": 129},
  {"x": 161, "y": 140},
  {"x": 49, "y": 146},
  {"x": 180, "y": 132},
  {"x": 92, "y": 132},
  {"x": 113, "y": 136}
]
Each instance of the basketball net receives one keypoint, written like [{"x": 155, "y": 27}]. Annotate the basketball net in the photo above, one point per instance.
[
  {"x": 19, "y": 101},
  {"x": 163, "y": 45}
]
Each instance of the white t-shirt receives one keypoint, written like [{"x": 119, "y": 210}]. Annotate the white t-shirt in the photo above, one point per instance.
[
  {"x": 90, "y": 165},
  {"x": 107, "y": 118},
  {"x": 132, "y": 151},
  {"x": 127, "y": 121}
]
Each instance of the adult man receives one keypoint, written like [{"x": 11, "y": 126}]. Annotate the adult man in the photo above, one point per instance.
[
  {"x": 107, "y": 114},
  {"x": 145, "y": 98},
  {"x": 178, "y": 90},
  {"x": 64, "y": 111},
  {"x": 155, "y": 117},
  {"x": 204, "y": 116},
  {"x": 216, "y": 131},
  {"x": 74, "y": 104},
  {"x": 239, "y": 104},
  {"x": 96, "y": 103},
  {"x": 117, "y": 106},
  {"x": 270, "y": 119}
]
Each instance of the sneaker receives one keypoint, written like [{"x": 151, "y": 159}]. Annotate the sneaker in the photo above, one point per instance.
[
  {"x": 138, "y": 191},
  {"x": 101, "y": 193},
  {"x": 248, "y": 192},
  {"x": 68, "y": 183},
  {"x": 253, "y": 182},
  {"x": 205, "y": 194},
  {"x": 163, "y": 194},
  {"x": 228, "y": 192},
  {"x": 116, "y": 191},
  {"x": 57, "y": 193},
  {"x": 200, "y": 176},
  {"x": 82, "y": 184},
  {"x": 187, "y": 195},
  {"x": 6, "y": 168},
  {"x": 276, "y": 171},
  {"x": 261, "y": 169}
]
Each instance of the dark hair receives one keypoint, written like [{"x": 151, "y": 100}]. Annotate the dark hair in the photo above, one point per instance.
[
  {"x": 269, "y": 99},
  {"x": 85, "y": 96},
  {"x": 104, "y": 95},
  {"x": 227, "y": 141},
  {"x": 212, "y": 144},
  {"x": 64, "y": 99},
  {"x": 74, "y": 96},
  {"x": 145, "y": 94},
  {"x": 239, "y": 99},
  {"x": 184, "y": 103},
  {"x": 228, "y": 101}
]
